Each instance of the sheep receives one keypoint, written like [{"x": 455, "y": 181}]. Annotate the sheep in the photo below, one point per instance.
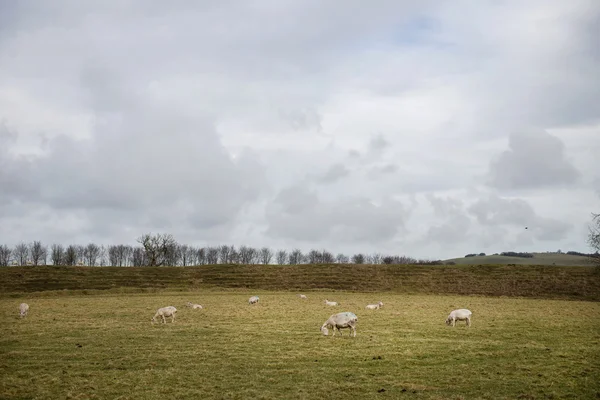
[
  {"x": 253, "y": 300},
  {"x": 302, "y": 296},
  {"x": 374, "y": 306},
  {"x": 461, "y": 314},
  {"x": 331, "y": 303},
  {"x": 23, "y": 309},
  {"x": 340, "y": 321},
  {"x": 194, "y": 306},
  {"x": 163, "y": 312}
]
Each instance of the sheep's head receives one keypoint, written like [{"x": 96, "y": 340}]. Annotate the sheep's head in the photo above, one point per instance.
[
  {"x": 381, "y": 304},
  {"x": 448, "y": 321},
  {"x": 325, "y": 330}
]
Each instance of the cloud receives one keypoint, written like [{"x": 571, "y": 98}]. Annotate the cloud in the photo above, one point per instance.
[
  {"x": 534, "y": 159},
  {"x": 299, "y": 214},
  {"x": 497, "y": 211},
  {"x": 126, "y": 117}
]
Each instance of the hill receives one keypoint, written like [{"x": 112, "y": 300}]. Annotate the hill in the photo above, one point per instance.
[
  {"x": 538, "y": 259},
  {"x": 492, "y": 280}
]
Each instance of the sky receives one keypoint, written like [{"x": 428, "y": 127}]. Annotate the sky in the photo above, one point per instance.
[{"x": 429, "y": 129}]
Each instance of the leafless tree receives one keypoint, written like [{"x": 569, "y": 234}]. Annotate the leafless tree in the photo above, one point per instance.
[
  {"x": 281, "y": 257},
  {"x": 295, "y": 257},
  {"x": 138, "y": 257},
  {"x": 342, "y": 259},
  {"x": 201, "y": 256},
  {"x": 234, "y": 255},
  {"x": 159, "y": 249},
  {"x": 21, "y": 253},
  {"x": 266, "y": 255},
  {"x": 594, "y": 238},
  {"x": 5, "y": 253},
  {"x": 71, "y": 255},
  {"x": 374, "y": 258},
  {"x": 247, "y": 255},
  {"x": 80, "y": 254},
  {"x": 314, "y": 257},
  {"x": 36, "y": 252},
  {"x": 212, "y": 255},
  {"x": 358, "y": 259},
  {"x": 57, "y": 254},
  {"x": 91, "y": 253},
  {"x": 327, "y": 257},
  {"x": 102, "y": 256},
  {"x": 183, "y": 254},
  {"x": 225, "y": 254}
]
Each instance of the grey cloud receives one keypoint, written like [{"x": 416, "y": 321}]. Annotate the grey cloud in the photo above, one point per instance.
[
  {"x": 377, "y": 172},
  {"x": 497, "y": 211},
  {"x": 378, "y": 143},
  {"x": 451, "y": 224},
  {"x": 299, "y": 214},
  {"x": 535, "y": 159},
  {"x": 333, "y": 174}
]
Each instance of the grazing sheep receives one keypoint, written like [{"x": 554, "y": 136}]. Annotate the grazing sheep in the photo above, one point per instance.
[
  {"x": 374, "y": 306},
  {"x": 253, "y": 300},
  {"x": 23, "y": 309},
  {"x": 459, "y": 315},
  {"x": 302, "y": 296},
  {"x": 194, "y": 306},
  {"x": 165, "y": 312},
  {"x": 331, "y": 303},
  {"x": 340, "y": 321}
]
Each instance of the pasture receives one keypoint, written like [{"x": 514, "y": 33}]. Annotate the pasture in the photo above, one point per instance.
[{"x": 103, "y": 346}]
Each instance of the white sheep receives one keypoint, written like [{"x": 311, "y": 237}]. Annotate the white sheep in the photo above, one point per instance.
[
  {"x": 163, "y": 312},
  {"x": 461, "y": 314},
  {"x": 302, "y": 296},
  {"x": 253, "y": 300},
  {"x": 23, "y": 309},
  {"x": 340, "y": 321},
  {"x": 374, "y": 306},
  {"x": 194, "y": 306},
  {"x": 331, "y": 303}
]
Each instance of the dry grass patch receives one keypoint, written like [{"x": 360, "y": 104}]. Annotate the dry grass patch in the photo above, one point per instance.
[{"x": 86, "y": 347}]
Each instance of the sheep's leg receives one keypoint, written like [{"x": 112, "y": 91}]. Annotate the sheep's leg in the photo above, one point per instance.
[
  {"x": 163, "y": 319},
  {"x": 453, "y": 322},
  {"x": 469, "y": 322},
  {"x": 354, "y": 331},
  {"x": 173, "y": 318}
]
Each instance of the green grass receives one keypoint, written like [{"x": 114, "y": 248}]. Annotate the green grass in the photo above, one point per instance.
[
  {"x": 538, "y": 259},
  {"x": 578, "y": 283},
  {"x": 104, "y": 347}
]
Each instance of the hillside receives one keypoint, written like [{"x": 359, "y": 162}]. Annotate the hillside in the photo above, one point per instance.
[
  {"x": 538, "y": 259},
  {"x": 493, "y": 280}
]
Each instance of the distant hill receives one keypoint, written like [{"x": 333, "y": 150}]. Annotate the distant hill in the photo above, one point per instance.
[{"x": 537, "y": 259}]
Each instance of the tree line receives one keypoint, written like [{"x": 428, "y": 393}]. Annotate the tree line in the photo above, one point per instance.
[{"x": 164, "y": 250}]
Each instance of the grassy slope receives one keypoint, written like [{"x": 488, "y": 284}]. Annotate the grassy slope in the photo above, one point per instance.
[
  {"x": 538, "y": 259},
  {"x": 91, "y": 347},
  {"x": 494, "y": 280}
]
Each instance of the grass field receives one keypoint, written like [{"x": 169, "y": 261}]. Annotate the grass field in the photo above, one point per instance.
[
  {"x": 537, "y": 259},
  {"x": 555, "y": 282},
  {"x": 104, "y": 347}
]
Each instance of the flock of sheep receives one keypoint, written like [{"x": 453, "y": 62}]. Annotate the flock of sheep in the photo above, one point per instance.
[{"x": 337, "y": 321}]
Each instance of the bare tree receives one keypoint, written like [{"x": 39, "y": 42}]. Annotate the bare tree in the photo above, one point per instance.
[
  {"x": 224, "y": 254},
  {"x": 374, "y": 258},
  {"x": 57, "y": 254},
  {"x": 183, "y": 254},
  {"x": 201, "y": 256},
  {"x": 234, "y": 255},
  {"x": 327, "y": 257},
  {"x": 246, "y": 255},
  {"x": 314, "y": 257},
  {"x": 342, "y": 259},
  {"x": 295, "y": 257},
  {"x": 281, "y": 257},
  {"x": 266, "y": 255},
  {"x": 102, "y": 256},
  {"x": 21, "y": 253},
  {"x": 36, "y": 252},
  {"x": 138, "y": 257},
  {"x": 594, "y": 238},
  {"x": 358, "y": 259},
  {"x": 71, "y": 255},
  {"x": 80, "y": 254},
  {"x": 159, "y": 249},
  {"x": 212, "y": 255},
  {"x": 91, "y": 253},
  {"x": 5, "y": 253}
]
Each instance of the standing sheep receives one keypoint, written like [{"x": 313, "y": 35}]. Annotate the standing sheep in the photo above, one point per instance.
[
  {"x": 331, "y": 303},
  {"x": 253, "y": 300},
  {"x": 163, "y": 312},
  {"x": 340, "y": 321},
  {"x": 302, "y": 296},
  {"x": 23, "y": 309},
  {"x": 461, "y": 314}
]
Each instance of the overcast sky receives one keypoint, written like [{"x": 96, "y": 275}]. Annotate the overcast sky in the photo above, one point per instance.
[{"x": 430, "y": 130}]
